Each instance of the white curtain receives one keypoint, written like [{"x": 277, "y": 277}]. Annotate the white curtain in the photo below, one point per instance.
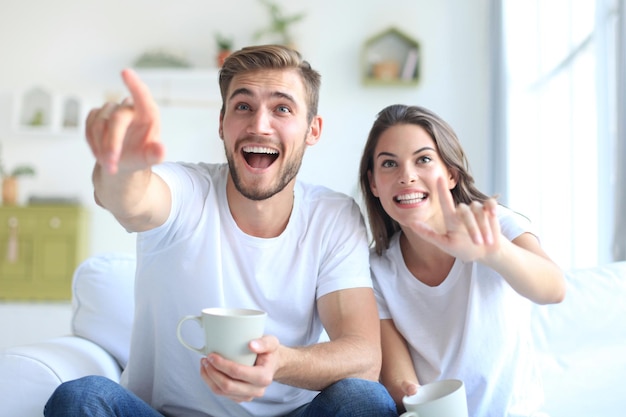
[
  {"x": 619, "y": 237},
  {"x": 555, "y": 75},
  {"x": 498, "y": 184}
]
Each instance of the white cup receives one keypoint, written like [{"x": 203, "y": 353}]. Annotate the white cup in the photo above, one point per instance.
[
  {"x": 227, "y": 332},
  {"x": 445, "y": 398}
]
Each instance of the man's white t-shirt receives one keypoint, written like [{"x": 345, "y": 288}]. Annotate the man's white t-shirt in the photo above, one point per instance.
[
  {"x": 473, "y": 327},
  {"x": 200, "y": 258}
]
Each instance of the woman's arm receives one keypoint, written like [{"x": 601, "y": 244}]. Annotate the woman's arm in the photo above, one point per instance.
[
  {"x": 527, "y": 268},
  {"x": 398, "y": 373},
  {"x": 472, "y": 233}
]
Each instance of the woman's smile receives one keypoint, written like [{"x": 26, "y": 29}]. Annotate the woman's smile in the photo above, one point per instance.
[{"x": 410, "y": 198}]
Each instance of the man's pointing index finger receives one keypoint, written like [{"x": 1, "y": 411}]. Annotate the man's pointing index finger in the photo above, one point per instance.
[{"x": 142, "y": 100}]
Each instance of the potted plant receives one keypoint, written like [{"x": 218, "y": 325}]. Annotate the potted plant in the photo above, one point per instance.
[
  {"x": 9, "y": 181},
  {"x": 279, "y": 24},
  {"x": 224, "y": 48}
]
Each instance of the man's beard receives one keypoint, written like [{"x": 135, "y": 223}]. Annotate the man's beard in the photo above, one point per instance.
[{"x": 287, "y": 174}]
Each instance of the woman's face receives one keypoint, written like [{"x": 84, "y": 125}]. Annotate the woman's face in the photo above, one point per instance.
[{"x": 406, "y": 166}]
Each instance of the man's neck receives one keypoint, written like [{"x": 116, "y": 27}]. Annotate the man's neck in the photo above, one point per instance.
[{"x": 263, "y": 218}]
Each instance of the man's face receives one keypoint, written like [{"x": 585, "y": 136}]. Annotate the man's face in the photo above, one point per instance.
[{"x": 265, "y": 131}]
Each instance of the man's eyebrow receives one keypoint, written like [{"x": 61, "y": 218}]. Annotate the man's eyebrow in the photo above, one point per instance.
[
  {"x": 286, "y": 96},
  {"x": 242, "y": 90},
  {"x": 247, "y": 92}
]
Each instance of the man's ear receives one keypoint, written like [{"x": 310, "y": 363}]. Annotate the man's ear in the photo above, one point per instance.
[
  {"x": 315, "y": 131},
  {"x": 221, "y": 126}
]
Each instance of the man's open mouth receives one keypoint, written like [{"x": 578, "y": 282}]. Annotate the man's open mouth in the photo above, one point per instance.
[{"x": 259, "y": 156}]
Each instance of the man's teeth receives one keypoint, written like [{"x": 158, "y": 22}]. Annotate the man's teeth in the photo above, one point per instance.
[
  {"x": 259, "y": 149},
  {"x": 411, "y": 198}
]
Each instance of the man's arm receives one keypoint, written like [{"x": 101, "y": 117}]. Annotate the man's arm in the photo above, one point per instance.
[
  {"x": 124, "y": 139},
  {"x": 139, "y": 200},
  {"x": 350, "y": 318}
]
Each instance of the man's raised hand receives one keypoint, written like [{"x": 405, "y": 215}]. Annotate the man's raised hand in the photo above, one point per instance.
[{"x": 126, "y": 136}]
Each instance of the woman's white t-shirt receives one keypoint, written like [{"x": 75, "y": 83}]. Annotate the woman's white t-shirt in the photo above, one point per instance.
[{"x": 473, "y": 327}]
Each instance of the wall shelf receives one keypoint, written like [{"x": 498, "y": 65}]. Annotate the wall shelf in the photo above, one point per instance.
[
  {"x": 183, "y": 87},
  {"x": 391, "y": 58},
  {"x": 39, "y": 111}
]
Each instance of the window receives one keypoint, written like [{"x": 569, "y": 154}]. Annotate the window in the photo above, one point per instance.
[{"x": 560, "y": 60}]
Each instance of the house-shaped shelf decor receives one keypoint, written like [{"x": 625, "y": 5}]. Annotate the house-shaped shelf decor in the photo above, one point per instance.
[
  {"x": 71, "y": 113},
  {"x": 391, "y": 58},
  {"x": 36, "y": 109}
]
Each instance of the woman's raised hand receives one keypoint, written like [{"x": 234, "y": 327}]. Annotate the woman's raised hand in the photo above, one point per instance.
[{"x": 470, "y": 232}]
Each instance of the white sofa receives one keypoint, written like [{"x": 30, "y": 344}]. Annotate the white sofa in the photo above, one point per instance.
[{"x": 581, "y": 342}]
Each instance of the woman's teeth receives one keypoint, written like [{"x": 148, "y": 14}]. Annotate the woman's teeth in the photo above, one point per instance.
[{"x": 411, "y": 198}]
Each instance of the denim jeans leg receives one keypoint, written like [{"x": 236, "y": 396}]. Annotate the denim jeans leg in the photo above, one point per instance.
[
  {"x": 350, "y": 398},
  {"x": 96, "y": 396}
]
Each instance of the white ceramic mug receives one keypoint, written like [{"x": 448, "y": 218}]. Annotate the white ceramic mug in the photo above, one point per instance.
[
  {"x": 445, "y": 398},
  {"x": 227, "y": 332}
]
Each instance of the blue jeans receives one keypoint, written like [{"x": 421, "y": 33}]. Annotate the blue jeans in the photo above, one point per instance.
[
  {"x": 96, "y": 396},
  {"x": 350, "y": 398}
]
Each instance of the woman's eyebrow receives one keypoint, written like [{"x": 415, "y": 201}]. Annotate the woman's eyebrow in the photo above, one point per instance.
[
  {"x": 425, "y": 148},
  {"x": 391, "y": 154},
  {"x": 383, "y": 153}
]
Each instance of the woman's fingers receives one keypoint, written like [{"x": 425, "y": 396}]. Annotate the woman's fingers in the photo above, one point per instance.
[
  {"x": 479, "y": 220},
  {"x": 467, "y": 215},
  {"x": 446, "y": 201}
]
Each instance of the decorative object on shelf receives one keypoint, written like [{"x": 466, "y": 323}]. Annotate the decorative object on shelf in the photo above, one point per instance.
[
  {"x": 39, "y": 111},
  {"x": 71, "y": 113},
  {"x": 36, "y": 108},
  {"x": 391, "y": 58},
  {"x": 224, "y": 48},
  {"x": 160, "y": 58},
  {"x": 279, "y": 25},
  {"x": 10, "y": 189},
  {"x": 388, "y": 70}
]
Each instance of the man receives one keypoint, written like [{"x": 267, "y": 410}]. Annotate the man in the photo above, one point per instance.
[{"x": 241, "y": 234}]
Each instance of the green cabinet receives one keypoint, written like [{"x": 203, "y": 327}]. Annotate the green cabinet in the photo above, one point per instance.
[{"x": 40, "y": 247}]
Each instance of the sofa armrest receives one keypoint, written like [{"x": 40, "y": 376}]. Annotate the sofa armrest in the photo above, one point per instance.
[{"x": 30, "y": 373}]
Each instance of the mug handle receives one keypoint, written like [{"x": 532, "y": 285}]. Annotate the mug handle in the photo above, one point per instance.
[
  {"x": 198, "y": 320},
  {"x": 410, "y": 414}
]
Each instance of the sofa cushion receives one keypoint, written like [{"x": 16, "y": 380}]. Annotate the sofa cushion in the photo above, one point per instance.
[
  {"x": 581, "y": 344},
  {"x": 103, "y": 302}
]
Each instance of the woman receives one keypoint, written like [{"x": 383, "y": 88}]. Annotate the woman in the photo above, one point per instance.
[{"x": 455, "y": 273}]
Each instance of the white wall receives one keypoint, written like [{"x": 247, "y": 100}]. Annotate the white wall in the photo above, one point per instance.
[{"x": 80, "y": 46}]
